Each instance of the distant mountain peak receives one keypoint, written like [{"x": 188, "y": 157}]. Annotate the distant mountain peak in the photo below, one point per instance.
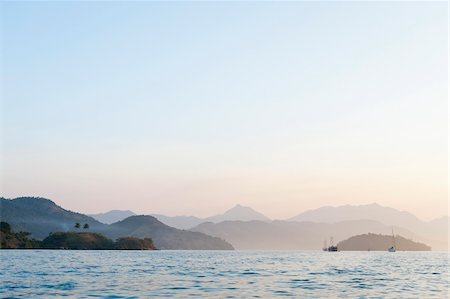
[
  {"x": 240, "y": 207},
  {"x": 373, "y": 211},
  {"x": 238, "y": 212},
  {"x": 112, "y": 216}
]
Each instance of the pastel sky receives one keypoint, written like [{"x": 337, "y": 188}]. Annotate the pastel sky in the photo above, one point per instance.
[{"x": 193, "y": 107}]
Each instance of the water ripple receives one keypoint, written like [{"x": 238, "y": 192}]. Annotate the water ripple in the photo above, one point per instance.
[{"x": 235, "y": 274}]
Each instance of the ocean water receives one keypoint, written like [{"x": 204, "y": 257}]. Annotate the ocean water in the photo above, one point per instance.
[{"x": 222, "y": 274}]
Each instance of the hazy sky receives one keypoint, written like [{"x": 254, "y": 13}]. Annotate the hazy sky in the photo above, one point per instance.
[{"x": 190, "y": 108}]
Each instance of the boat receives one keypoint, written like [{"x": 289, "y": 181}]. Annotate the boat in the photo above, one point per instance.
[
  {"x": 393, "y": 248},
  {"x": 332, "y": 247}
]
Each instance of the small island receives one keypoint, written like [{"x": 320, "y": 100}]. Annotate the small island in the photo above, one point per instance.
[
  {"x": 13, "y": 240},
  {"x": 70, "y": 240},
  {"x": 378, "y": 242}
]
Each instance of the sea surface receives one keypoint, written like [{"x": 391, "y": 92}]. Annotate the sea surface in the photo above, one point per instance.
[{"x": 222, "y": 274}]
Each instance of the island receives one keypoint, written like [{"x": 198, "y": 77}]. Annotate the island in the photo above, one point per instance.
[
  {"x": 70, "y": 240},
  {"x": 378, "y": 242}
]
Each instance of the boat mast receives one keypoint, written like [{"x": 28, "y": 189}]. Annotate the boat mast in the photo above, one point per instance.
[{"x": 393, "y": 238}]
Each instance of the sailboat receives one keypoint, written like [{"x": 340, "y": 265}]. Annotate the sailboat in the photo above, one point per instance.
[
  {"x": 393, "y": 247},
  {"x": 332, "y": 247}
]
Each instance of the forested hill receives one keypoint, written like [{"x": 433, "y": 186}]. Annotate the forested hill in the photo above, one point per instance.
[
  {"x": 41, "y": 216},
  {"x": 376, "y": 242},
  {"x": 165, "y": 237}
]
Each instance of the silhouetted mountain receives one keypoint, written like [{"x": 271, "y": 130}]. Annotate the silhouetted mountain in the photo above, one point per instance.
[
  {"x": 238, "y": 212},
  {"x": 281, "y": 235},
  {"x": 385, "y": 215},
  {"x": 41, "y": 216},
  {"x": 112, "y": 216},
  {"x": 378, "y": 242},
  {"x": 180, "y": 222},
  {"x": 164, "y": 237},
  {"x": 436, "y": 230}
]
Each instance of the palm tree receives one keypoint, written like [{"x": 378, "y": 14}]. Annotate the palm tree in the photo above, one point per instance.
[
  {"x": 86, "y": 226},
  {"x": 77, "y": 225}
]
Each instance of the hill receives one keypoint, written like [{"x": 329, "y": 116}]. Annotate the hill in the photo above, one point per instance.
[
  {"x": 112, "y": 216},
  {"x": 164, "y": 236},
  {"x": 378, "y": 242},
  {"x": 40, "y": 216},
  {"x": 79, "y": 241}
]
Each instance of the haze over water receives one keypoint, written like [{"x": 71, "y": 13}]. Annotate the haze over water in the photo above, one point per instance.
[{"x": 223, "y": 274}]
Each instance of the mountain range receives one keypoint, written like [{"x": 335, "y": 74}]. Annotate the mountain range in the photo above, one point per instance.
[
  {"x": 308, "y": 229},
  {"x": 238, "y": 212},
  {"x": 374, "y": 211},
  {"x": 436, "y": 230},
  {"x": 241, "y": 226},
  {"x": 40, "y": 217},
  {"x": 233, "y": 223}
]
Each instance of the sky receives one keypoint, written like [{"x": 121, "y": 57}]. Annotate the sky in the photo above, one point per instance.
[{"x": 188, "y": 108}]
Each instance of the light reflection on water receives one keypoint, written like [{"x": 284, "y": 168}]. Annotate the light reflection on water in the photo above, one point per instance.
[{"x": 223, "y": 274}]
